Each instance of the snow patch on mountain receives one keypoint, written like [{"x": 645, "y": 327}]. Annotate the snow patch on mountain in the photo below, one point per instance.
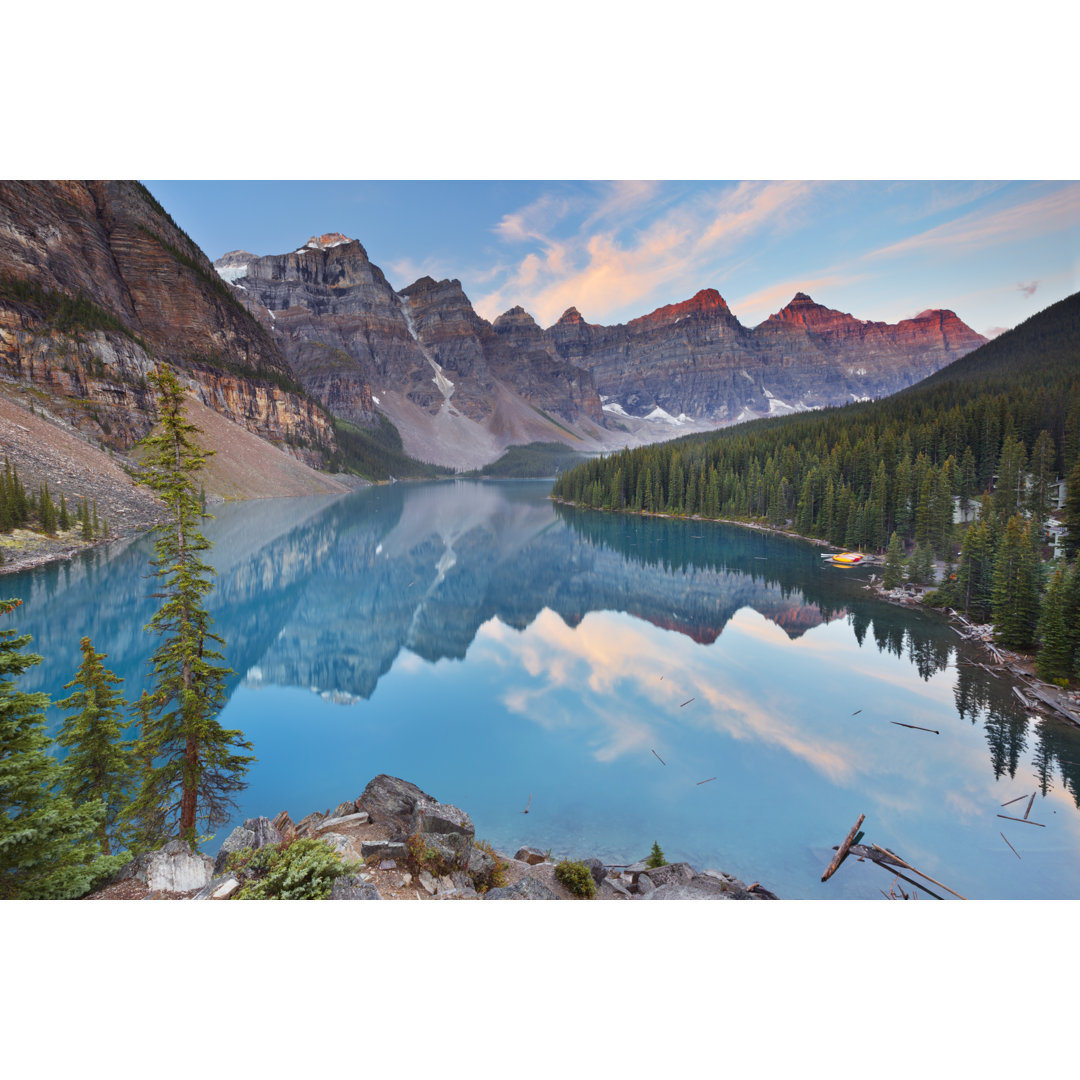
[{"x": 231, "y": 273}]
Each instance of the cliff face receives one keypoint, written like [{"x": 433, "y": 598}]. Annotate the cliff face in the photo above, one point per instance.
[
  {"x": 697, "y": 358},
  {"x": 458, "y": 388},
  {"x": 95, "y": 281}
]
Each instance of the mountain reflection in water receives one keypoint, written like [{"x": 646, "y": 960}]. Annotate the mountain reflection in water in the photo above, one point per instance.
[{"x": 590, "y": 640}]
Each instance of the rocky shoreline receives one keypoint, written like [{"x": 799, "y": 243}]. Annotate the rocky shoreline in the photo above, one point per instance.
[{"x": 412, "y": 847}]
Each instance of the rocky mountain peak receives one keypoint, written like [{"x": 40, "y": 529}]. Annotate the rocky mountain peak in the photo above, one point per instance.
[
  {"x": 329, "y": 240},
  {"x": 703, "y": 302},
  {"x": 803, "y": 311},
  {"x": 516, "y": 317},
  {"x": 570, "y": 317}
]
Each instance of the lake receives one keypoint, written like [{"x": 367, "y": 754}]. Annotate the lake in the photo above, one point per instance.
[{"x": 720, "y": 690}]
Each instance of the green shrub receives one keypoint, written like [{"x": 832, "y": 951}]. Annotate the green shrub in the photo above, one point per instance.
[
  {"x": 576, "y": 877},
  {"x": 302, "y": 870},
  {"x": 494, "y": 878}
]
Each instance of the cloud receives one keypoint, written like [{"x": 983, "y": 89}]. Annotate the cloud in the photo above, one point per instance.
[
  {"x": 611, "y": 260},
  {"x": 995, "y": 331},
  {"x": 1029, "y": 289},
  {"x": 1056, "y": 211}
]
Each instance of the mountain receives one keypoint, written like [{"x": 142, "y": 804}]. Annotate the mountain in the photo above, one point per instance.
[
  {"x": 96, "y": 283},
  {"x": 461, "y": 389}
]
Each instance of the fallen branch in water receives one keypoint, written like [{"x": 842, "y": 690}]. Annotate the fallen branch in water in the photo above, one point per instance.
[
  {"x": 1011, "y": 801},
  {"x": 842, "y": 852},
  {"x": 659, "y": 758},
  {"x": 1022, "y": 820},
  {"x": 700, "y": 782},
  {"x": 1011, "y": 848},
  {"x": 915, "y": 726},
  {"x": 908, "y": 865}
]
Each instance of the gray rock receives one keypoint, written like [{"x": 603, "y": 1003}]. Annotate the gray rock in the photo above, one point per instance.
[
  {"x": 346, "y": 809},
  {"x": 393, "y": 802},
  {"x": 596, "y": 868},
  {"x": 446, "y": 827},
  {"x": 308, "y": 825},
  {"x": 446, "y": 884},
  {"x": 176, "y": 868},
  {"x": 528, "y": 888},
  {"x": 731, "y": 884},
  {"x": 226, "y": 889},
  {"x": 613, "y": 889},
  {"x": 531, "y": 855},
  {"x": 353, "y": 888},
  {"x": 630, "y": 873},
  {"x": 699, "y": 889},
  {"x": 387, "y": 864},
  {"x": 215, "y": 883},
  {"x": 373, "y": 848},
  {"x": 236, "y": 840},
  {"x": 671, "y": 874},
  {"x": 264, "y": 831},
  {"x": 338, "y": 841},
  {"x": 348, "y": 819},
  {"x": 481, "y": 864},
  {"x": 644, "y": 885},
  {"x": 427, "y": 882}
]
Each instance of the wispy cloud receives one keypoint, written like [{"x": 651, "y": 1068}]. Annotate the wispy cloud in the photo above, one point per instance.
[
  {"x": 1055, "y": 211},
  {"x": 1029, "y": 289},
  {"x": 611, "y": 260}
]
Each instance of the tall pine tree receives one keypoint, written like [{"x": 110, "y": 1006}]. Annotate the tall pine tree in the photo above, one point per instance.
[
  {"x": 197, "y": 767},
  {"x": 99, "y": 763},
  {"x": 47, "y": 846}
]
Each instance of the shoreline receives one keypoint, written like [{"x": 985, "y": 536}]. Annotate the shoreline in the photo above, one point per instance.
[{"x": 1052, "y": 701}]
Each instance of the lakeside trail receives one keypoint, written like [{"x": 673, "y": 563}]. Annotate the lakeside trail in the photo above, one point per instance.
[{"x": 412, "y": 847}]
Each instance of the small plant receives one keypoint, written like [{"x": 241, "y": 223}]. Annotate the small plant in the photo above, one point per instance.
[
  {"x": 577, "y": 878},
  {"x": 495, "y": 878},
  {"x": 656, "y": 857},
  {"x": 301, "y": 870},
  {"x": 422, "y": 856}
]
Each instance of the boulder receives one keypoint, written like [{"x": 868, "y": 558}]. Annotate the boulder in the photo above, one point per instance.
[
  {"x": 285, "y": 825},
  {"x": 730, "y": 883},
  {"x": 596, "y": 868},
  {"x": 338, "y": 841},
  {"x": 264, "y": 830},
  {"x": 345, "y": 809},
  {"x": 699, "y": 888},
  {"x": 237, "y": 839},
  {"x": 307, "y": 826},
  {"x": 353, "y": 888},
  {"x": 759, "y": 892},
  {"x": 447, "y": 828},
  {"x": 213, "y": 885},
  {"x": 176, "y": 868},
  {"x": 392, "y": 802},
  {"x": 528, "y": 888},
  {"x": 613, "y": 889},
  {"x": 671, "y": 874},
  {"x": 531, "y": 855},
  {"x": 644, "y": 885},
  {"x": 226, "y": 889},
  {"x": 427, "y": 882}
]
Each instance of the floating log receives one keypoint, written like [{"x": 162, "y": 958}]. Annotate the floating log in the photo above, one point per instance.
[
  {"x": 1023, "y": 821},
  {"x": 885, "y": 866},
  {"x": 1011, "y": 801},
  {"x": 687, "y": 702},
  {"x": 919, "y": 872},
  {"x": 915, "y": 726},
  {"x": 700, "y": 782},
  {"x": 1011, "y": 848},
  {"x": 659, "y": 758},
  {"x": 856, "y": 712},
  {"x": 1031, "y": 803},
  {"x": 1023, "y": 699},
  {"x": 988, "y": 671},
  {"x": 1055, "y": 705},
  {"x": 842, "y": 851}
]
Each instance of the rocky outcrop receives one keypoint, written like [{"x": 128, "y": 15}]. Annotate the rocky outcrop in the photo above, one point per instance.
[
  {"x": 173, "y": 868},
  {"x": 97, "y": 283}
]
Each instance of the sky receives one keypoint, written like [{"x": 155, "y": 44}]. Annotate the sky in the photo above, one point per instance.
[{"x": 993, "y": 252}]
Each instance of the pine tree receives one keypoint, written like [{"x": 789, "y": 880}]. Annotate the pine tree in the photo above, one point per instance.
[
  {"x": 920, "y": 567},
  {"x": 62, "y": 518},
  {"x": 1055, "y": 659},
  {"x": 47, "y": 847},
  {"x": 196, "y": 767},
  {"x": 99, "y": 763},
  {"x": 656, "y": 856},
  {"x": 84, "y": 519},
  {"x": 1070, "y": 513},
  {"x": 894, "y": 563},
  {"x": 1016, "y": 587},
  {"x": 47, "y": 512}
]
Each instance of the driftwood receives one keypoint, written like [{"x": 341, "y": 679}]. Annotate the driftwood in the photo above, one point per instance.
[
  {"x": 659, "y": 758},
  {"x": 856, "y": 712},
  {"x": 700, "y": 782},
  {"x": 1023, "y": 821},
  {"x": 919, "y": 872},
  {"x": 880, "y": 861},
  {"x": 842, "y": 851},
  {"x": 1023, "y": 697},
  {"x": 1031, "y": 803},
  {"x": 1017, "y": 799},
  {"x": 988, "y": 671},
  {"x": 1011, "y": 848},
  {"x": 915, "y": 726},
  {"x": 1055, "y": 705},
  {"x": 687, "y": 702}
]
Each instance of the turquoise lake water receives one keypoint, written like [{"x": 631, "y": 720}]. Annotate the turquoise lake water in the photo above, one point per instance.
[{"x": 493, "y": 648}]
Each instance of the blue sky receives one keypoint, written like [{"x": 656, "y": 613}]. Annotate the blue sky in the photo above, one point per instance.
[{"x": 993, "y": 252}]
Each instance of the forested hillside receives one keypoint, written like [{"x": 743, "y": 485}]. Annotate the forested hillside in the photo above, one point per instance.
[{"x": 1001, "y": 425}]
